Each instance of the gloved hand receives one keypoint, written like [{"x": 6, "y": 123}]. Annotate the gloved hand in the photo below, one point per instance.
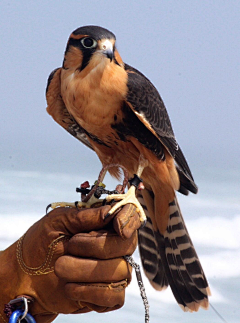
[{"x": 71, "y": 261}]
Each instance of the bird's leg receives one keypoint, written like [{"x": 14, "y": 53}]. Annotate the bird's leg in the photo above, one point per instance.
[
  {"x": 130, "y": 196},
  {"x": 88, "y": 198},
  {"x": 85, "y": 203}
]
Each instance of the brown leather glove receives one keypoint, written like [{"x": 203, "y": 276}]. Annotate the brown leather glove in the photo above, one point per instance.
[{"x": 69, "y": 264}]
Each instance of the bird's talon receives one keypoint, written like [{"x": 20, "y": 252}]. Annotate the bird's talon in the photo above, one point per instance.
[
  {"x": 106, "y": 216},
  {"x": 143, "y": 223},
  {"x": 104, "y": 202},
  {"x": 48, "y": 207},
  {"x": 76, "y": 204}
]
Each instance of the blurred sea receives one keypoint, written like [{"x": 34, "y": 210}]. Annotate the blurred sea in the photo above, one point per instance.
[{"x": 212, "y": 218}]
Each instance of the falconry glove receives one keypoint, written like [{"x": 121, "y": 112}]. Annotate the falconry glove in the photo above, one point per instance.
[{"x": 71, "y": 261}]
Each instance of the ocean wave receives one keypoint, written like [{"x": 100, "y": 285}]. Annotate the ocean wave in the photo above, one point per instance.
[{"x": 212, "y": 218}]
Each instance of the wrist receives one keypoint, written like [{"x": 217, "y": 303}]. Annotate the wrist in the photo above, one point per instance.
[
  {"x": 14, "y": 281},
  {"x": 9, "y": 278}
]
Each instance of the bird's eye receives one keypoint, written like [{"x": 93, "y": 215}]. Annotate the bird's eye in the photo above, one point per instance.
[{"x": 88, "y": 42}]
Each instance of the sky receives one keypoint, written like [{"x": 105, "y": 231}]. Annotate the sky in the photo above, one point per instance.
[{"x": 188, "y": 49}]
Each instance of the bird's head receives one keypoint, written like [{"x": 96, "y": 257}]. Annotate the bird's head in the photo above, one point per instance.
[{"x": 90, "y": 44}]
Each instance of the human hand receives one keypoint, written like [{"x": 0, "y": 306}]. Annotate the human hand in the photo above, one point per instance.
[{"x": 71, "y": 261}]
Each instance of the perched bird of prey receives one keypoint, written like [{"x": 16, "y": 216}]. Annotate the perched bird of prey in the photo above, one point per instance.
[{"x": 116, "y": 111}]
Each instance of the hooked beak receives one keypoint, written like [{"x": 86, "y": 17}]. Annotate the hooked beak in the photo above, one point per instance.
[
  {"x": 106, "y": 48},
  {"x": 109, "y": 54}
]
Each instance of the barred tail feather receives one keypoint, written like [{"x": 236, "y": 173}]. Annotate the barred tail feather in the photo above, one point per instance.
[
  {"x": 150, "y": 256},
  {"x": 182, "y": 266},
  {"x": 171, "y": 259}
]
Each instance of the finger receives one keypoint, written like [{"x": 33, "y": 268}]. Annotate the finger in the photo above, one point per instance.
[
  {"x": 73, "y": 269},
  {"x": 101, "y": 245},
  {"x": 72, "y": 220},
  {"x": 127, "y": 221},
  {"x": 102, "y": 295}
]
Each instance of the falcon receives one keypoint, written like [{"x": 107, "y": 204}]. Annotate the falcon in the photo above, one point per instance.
[{"x": 115, "y": 110}]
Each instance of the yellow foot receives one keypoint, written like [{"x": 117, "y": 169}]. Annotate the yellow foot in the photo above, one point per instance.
[
  {"x": 92, "y": 202},
  {"x": 129, "y": 197}
]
